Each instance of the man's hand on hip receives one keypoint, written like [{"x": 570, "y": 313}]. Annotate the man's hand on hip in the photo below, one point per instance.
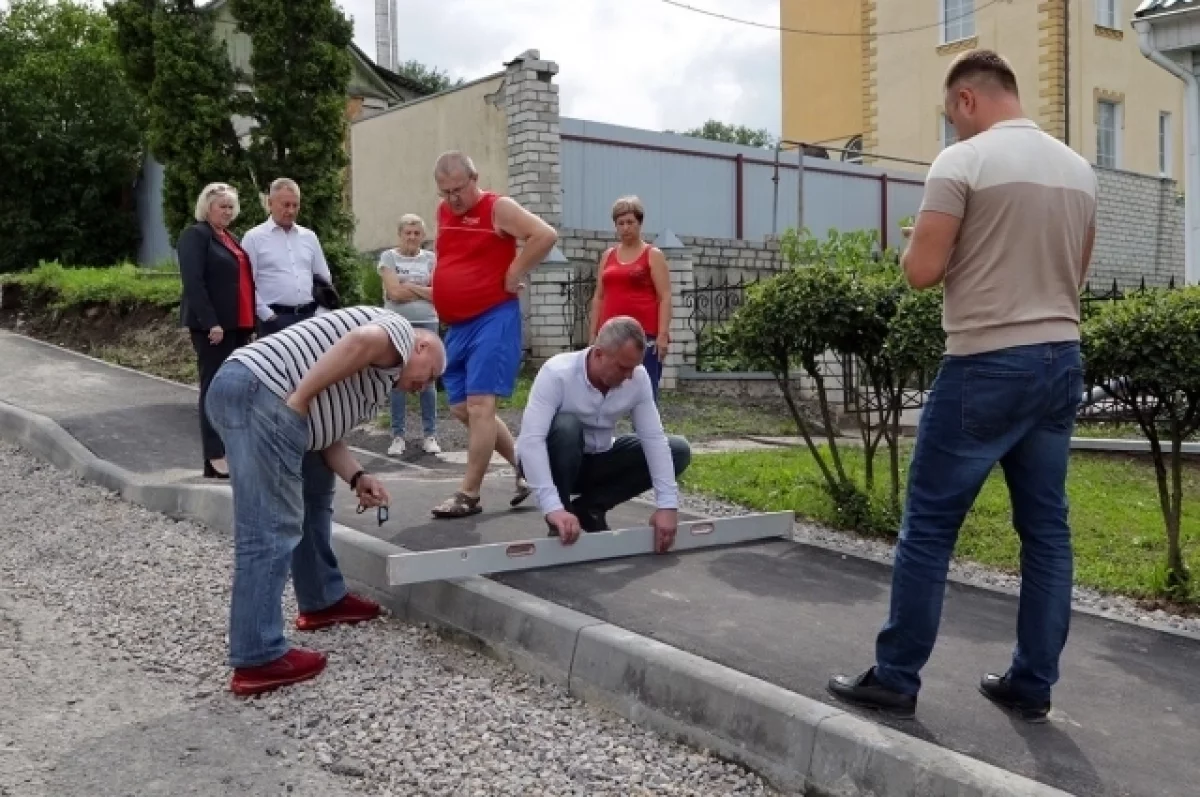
[
  {"x": 512, "y": 281},
  {"x": 665, "y": 523},
  {"x": 567, "y": 525}
]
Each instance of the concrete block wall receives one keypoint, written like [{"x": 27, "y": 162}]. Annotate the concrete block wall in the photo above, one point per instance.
[
  {"x": 1139, "y": 231},
  {"x": 534, "y": 143}
]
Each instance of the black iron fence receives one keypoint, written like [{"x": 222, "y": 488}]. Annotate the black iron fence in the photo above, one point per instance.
[{"x": 577, "y": 293}]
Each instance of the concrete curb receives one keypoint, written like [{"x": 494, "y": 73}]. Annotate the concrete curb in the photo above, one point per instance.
[{"x": 801, "y": 745}]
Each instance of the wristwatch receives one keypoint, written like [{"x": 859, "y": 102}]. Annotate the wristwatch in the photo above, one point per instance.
[{"x": 354, "y": 479}]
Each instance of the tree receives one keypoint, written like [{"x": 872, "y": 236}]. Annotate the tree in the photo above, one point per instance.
[
  {"x": 431, "y": 79},
  {"x": 301, "y": 70},
  {"x": 70, "y": 138},
  {"x": 170, "y": 51},
  {"x": 732, "y": 134},
  {"x": 1143, "y": 352}
]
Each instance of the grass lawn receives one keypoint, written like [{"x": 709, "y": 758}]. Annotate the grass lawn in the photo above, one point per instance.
[{"x": 1120, "y": 541}]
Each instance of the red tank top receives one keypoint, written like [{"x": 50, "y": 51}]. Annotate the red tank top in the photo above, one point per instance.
[
  {"x": 629, "y": 290},
  {"x": 472, "y": 259}
]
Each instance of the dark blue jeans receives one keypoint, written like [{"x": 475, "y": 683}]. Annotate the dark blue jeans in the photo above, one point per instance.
[{"x": 1015, "y": 407}]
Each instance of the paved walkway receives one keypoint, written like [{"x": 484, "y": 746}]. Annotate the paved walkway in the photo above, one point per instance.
[{"x": 1127, "y": 716}]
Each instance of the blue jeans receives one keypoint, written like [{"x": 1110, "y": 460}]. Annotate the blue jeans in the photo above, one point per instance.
[
  {"x": 428, "y": 399},
  {"x": 282, "y": 514},
  {"x": 1016, "y": 407},
  {"x": 653, "y": 365}
]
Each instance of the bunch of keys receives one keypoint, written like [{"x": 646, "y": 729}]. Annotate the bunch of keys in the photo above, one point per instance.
[{"x": 381, "y": 512}]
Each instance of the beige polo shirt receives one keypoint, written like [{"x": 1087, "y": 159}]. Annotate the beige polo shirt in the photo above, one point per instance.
[{"x": 1026, "y": 201}]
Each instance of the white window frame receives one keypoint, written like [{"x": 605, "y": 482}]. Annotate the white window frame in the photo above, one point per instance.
[
  {"x": 1166, "y": 144},
  {"x": 956, "y": 20},
  {"x": 948, "y": 135},
  {"x": 1117, "y": 124},
  {"x": 1108, "y": 14}
]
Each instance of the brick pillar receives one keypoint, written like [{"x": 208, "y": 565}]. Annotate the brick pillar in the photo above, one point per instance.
[
  {"x": 682, "y": 353},
  {"x": 534, "y": 145},
  {"x": 548, "y": 311}
]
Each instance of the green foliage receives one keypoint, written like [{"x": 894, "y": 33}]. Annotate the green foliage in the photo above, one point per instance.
[
  {"x": 170, "y": 49},
  {"x": 842, "y": 296},
  {"x": 301, "y": 68},
  {"x": 1144, "y": 350},
  {"x": 715, "y": 130},
  {"x": 431, "y": 79},
  {"x": 70, "y": 137},
  {"x": 123, "y": 287}
]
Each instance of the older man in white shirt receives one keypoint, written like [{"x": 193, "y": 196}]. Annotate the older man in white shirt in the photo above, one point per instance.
[
  {"x": 577, "y": 471},
  {"x": 285, "y": 257}
]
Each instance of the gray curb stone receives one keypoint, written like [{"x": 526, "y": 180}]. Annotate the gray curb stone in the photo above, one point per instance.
[{"x": 801, "y": 746}]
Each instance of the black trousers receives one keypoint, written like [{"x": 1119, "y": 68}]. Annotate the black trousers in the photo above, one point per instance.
[
  {"x": 208, "y": 359},
  {"x": 283, "y": 321},
  {"x": 602, "y": 481}
]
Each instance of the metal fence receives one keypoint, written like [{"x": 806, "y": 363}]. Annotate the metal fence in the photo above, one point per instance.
[{"x": 577, "y": 293}]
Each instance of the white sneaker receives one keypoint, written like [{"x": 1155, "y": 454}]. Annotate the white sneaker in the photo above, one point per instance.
[
  {"x": 397, "y": 447},
  {"x": 431, "y": 446}
]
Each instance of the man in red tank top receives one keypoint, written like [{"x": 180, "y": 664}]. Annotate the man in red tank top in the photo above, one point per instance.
[{"x": 475, "y": 292}]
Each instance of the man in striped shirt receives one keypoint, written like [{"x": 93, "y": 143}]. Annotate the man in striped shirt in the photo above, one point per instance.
[{"x": 282, "y": 406}]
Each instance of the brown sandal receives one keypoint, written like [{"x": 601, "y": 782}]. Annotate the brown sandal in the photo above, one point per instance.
[{"x": 458, "y": 505}]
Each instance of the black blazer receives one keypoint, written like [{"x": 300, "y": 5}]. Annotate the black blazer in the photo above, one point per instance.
[{"x": 210, "y": 279}]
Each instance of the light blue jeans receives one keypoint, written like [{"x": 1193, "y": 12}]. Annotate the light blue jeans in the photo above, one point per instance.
[
  {"x": 282, "y": 514},
  {"x": 428, "y": 399}
]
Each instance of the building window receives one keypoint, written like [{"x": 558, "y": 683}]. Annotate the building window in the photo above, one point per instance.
[
  {"x": 1106, "y": 13},
  {"x": 1108, "y": 134},
  {"x": 958, "y": 20},
  {"x": 949, "y": 134},
  {"x": 1166, "y": 155}
]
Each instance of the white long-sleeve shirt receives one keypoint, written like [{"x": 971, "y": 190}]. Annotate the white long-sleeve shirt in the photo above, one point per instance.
[
  {"x": 284, "y": 263},
  {"x": 562, "y": 385}
]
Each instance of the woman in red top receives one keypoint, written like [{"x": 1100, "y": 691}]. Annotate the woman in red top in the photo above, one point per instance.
[
  {"x": 217, "y": 305},
  {"x": 634, "y": 280}
]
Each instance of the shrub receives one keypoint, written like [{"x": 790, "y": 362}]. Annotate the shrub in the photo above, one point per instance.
[{"x": 1144, "y": 352}]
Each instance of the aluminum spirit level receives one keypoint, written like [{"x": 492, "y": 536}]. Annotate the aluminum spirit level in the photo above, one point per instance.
[{"x": 502, "y": 557}]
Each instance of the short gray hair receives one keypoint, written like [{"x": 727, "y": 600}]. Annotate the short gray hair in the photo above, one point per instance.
[
  {"x": 454, "y": 161},
  {"x": 619, "y": 330},
  {"x": 284, "y": 184},
  {"x": 410, "y": 220},
  {"x": 211, "y": 192}
]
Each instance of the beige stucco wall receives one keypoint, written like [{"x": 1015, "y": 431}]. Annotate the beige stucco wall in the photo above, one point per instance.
[
  {"x": 393, "y": 155},
  {"x": 821, "y": 76},
  {"x": 911, "y": 67},
  {"x": 1103, "y": 63}
]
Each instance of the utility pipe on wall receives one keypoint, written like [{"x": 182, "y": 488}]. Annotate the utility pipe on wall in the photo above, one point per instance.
[{"x": 1191, "y": 134}]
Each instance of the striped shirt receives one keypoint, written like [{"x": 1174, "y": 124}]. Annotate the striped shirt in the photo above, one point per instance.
[{"x": 282, "y": 359}]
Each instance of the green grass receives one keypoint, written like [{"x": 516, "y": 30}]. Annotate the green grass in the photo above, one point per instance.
[
  {"x": 122, "y": 287},
  {"x": 1120, "y": 542}
]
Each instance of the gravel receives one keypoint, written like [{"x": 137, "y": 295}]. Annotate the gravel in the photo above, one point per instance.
[
  {"x": 139, "y": 603},
  {"x": 1114, "y": 606}
]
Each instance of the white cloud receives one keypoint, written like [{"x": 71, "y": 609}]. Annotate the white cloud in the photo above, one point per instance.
[{"x": 640, "y": 63}]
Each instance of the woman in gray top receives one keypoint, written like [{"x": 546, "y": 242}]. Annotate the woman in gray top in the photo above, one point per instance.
[{"x": 407, "y": 272}]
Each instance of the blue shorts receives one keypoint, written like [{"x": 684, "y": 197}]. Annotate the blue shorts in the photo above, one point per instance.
[{"x": 483, "y": 355}]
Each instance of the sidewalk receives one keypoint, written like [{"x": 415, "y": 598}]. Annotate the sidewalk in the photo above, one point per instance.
[{"x": 1127, "y": 714}]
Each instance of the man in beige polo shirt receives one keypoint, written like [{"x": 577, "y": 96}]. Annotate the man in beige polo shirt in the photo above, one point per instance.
[{"x": 1007, "y": 224}]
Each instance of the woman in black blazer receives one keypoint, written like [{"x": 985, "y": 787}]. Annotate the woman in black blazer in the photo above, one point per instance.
[{"x": 218, "y": 300}]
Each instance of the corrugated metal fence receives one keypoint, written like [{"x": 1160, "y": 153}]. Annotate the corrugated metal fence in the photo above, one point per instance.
[{"x": 698, "y": 187}]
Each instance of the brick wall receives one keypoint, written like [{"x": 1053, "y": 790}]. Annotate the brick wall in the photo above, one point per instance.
[
  {"x": 1139, "y": 231},
  {"x": 713, "y": 258}
]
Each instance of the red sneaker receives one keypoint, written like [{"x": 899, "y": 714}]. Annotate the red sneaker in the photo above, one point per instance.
[
  {"x": 292, "y": 667},
  {"x": 350, "y": 609}
]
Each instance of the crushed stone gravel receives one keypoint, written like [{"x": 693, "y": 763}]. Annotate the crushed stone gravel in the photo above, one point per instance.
[{"x": 134, "y": 604}]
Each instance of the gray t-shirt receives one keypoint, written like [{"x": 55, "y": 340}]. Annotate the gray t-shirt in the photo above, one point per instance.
[{"x": 417, "y": 270}]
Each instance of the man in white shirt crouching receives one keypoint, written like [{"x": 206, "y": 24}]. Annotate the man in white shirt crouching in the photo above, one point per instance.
[{"x": 577, "y": 471}]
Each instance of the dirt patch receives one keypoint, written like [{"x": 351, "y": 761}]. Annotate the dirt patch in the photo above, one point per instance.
[{"x": 148, "y": 339}]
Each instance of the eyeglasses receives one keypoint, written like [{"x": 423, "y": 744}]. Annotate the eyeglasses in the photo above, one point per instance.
[{"x": 454, "y": 192}]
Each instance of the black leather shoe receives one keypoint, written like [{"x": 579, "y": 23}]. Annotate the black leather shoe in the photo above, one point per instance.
[
  {"x": 867, "y": 692},
  {"x": 212, "y": 473},
  {"x": 590, "y": 519},
  {"x": 998, "y": 689}
]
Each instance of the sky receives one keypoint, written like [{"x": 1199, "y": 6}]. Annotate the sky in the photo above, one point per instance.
[{"x": 638, "y": 63}]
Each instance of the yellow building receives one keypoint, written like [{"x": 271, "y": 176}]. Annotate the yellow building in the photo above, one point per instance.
[{"x": 880, "y": 88}]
